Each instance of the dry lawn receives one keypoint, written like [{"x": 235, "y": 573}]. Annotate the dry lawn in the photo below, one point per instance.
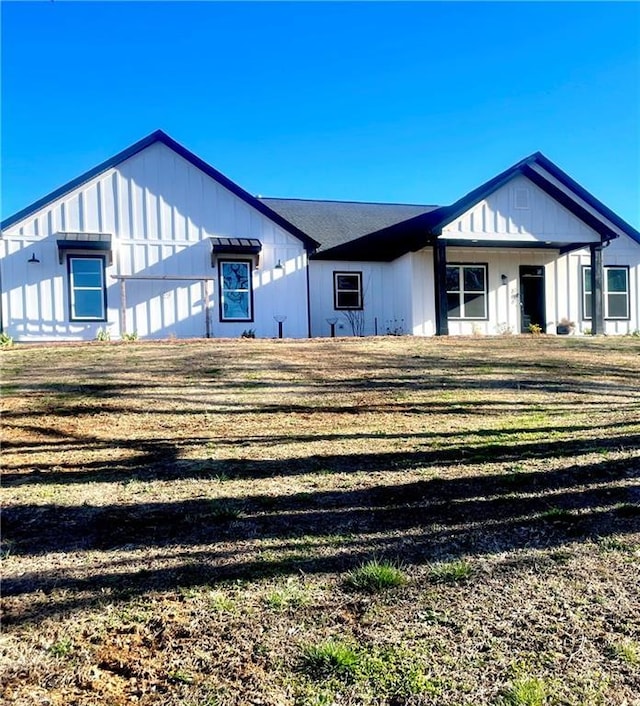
[{"x": 180, "y": 521}]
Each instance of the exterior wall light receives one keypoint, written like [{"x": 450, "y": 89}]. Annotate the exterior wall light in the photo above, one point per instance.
[
  {"x": 504, "y": 279},
  {"x": 279, "y": 265},
  {"x": 33, "y": 259}
]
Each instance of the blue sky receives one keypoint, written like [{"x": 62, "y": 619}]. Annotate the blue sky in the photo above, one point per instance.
[{"x": 406, "y": 102}]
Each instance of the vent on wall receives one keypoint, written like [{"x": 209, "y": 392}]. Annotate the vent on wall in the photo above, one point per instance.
[{"x": 521, "y": 197}]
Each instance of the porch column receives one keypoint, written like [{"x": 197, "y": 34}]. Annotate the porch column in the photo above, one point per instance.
[
  {"x": 597, "y": 293},
  {"x": 440, "y": 281}
]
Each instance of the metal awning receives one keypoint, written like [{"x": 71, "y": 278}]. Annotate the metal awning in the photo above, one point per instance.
[
  {"x": 235, "y": 246},
  {"x": 243, "y": 246},
  {"x": 84, "y": 242}
]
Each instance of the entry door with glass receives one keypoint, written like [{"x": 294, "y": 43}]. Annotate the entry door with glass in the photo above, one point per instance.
[{"x": 532, "y": 306}]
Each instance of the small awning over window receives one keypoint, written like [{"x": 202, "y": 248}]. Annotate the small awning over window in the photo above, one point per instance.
[
  {"x": 84, "y": 243},
  {"x": 239, "y": 246},
  {"x": 234, "y": 246}
]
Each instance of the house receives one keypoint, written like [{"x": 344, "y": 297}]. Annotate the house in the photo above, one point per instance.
[{"x": 157, "y": 242}]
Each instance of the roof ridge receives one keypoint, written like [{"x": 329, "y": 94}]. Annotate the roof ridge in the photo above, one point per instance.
[{"x": 363, "y": 203}]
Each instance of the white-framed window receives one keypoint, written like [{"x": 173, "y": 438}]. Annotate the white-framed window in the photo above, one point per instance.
[
  {"x": 236, "y": 291},
  {"x": 87, "y": 291},
  {"x": 616, "y": 292},
  {"x": 347, "y": 290},
  {"x": 467, "y": 291}
]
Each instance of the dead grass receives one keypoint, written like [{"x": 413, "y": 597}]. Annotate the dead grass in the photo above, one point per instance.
[{"x": 181, "y": 519}]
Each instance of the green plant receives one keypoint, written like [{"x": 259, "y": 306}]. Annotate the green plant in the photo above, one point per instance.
[
  {"x": 526, "y": 691},
  {"x": 62, "y": 647},
  {"x": 6, "y": 341},
  {"x": 375, "y": 575},
  {"x": 396, "y": 672},
  {"x": 220, "y": 602},
  {"x": 558, "y": 514},
  {"x": 180, "y": 677},
  {"x": 130, "y": 336},
  {"x": 535, "y": 329},
  {"x": 222, "y": 510},
  {"x": 626, "y": 651},
  {"x": 289, "y": 594},
  {"x": 103, "y": 334},
  {"x": 248, "y": 333},
  {"x": 330, "y": 659},
  {"x": 451, "y": 571},
  {"x": 613, "y": 543}
]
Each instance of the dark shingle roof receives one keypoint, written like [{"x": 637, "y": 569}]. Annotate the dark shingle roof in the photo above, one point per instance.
[{"x": 334, "y": 223}]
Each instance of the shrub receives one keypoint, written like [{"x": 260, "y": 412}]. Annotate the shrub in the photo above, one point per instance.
[
  {"x": 130, "y": 336},
  {"x": 103, "y": 334},
  {"x": 375, "y": 575},
  {"x": 535, "y": 329},
  {"x": 248, "y": 333}
]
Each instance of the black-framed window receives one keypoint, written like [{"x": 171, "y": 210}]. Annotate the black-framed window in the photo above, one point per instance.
[
  {"x": 616, "y": 292},
  {"x": 87, "y": 290},
  {"x": 235, "y": 290},
  {"x": 467, "y": 291},
  {"x": 347, "y": 290}
]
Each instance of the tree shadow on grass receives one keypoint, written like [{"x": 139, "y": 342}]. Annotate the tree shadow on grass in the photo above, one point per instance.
[
  {"x": 159, "y": 459},
  {"x": 318, "y": 531}
]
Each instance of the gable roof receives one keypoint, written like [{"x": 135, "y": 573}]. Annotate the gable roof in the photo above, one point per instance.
[
  {"x": 423, "y": 229},
  {"x": 162, "y": 137},
  {"x": 336, "y": 223}
]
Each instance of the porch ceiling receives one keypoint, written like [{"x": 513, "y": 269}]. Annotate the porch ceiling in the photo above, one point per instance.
[{"x": 561, "y": 246}]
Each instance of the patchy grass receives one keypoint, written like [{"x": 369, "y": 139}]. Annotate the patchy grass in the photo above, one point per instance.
[
  {"x": 527, "y": 691},
  {"x": 185, "y": 522},
  {"x": 331, "y": 659},
  {"x": 376, "y": 575},
  {"x": 451, "y": 571}
]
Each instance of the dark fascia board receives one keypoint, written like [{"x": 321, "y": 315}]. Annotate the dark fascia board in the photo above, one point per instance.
[
  {"x": 524, "y": 167},
  {"x": 424, "y": 228},
  {"x": 580, "y": 191},
  {"x": 160, "y": 136}
]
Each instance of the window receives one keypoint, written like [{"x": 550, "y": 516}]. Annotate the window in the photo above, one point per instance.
[
  {"x": 616, "y": 292},
  {"x": 467, "y": 291},
  {"x": 347, "y": 290},
  {"x": 87, "y": 293},
  {"x": 236, "y": 294}
]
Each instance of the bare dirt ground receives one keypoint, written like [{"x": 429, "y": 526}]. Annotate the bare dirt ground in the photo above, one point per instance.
[{"x": 180, "y": 520}]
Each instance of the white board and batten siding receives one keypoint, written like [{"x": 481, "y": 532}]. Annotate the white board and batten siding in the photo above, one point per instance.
[
  {"x": 522, "y": 212},
  {"x": 161, "y": 211},
  {"x": 386, "y": 297}
]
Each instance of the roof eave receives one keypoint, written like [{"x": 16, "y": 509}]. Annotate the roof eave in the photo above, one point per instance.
[{"x": 160, "y": 136}]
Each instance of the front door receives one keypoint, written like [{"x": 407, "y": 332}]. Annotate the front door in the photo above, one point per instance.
[{"x": 531, "y": 297}]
